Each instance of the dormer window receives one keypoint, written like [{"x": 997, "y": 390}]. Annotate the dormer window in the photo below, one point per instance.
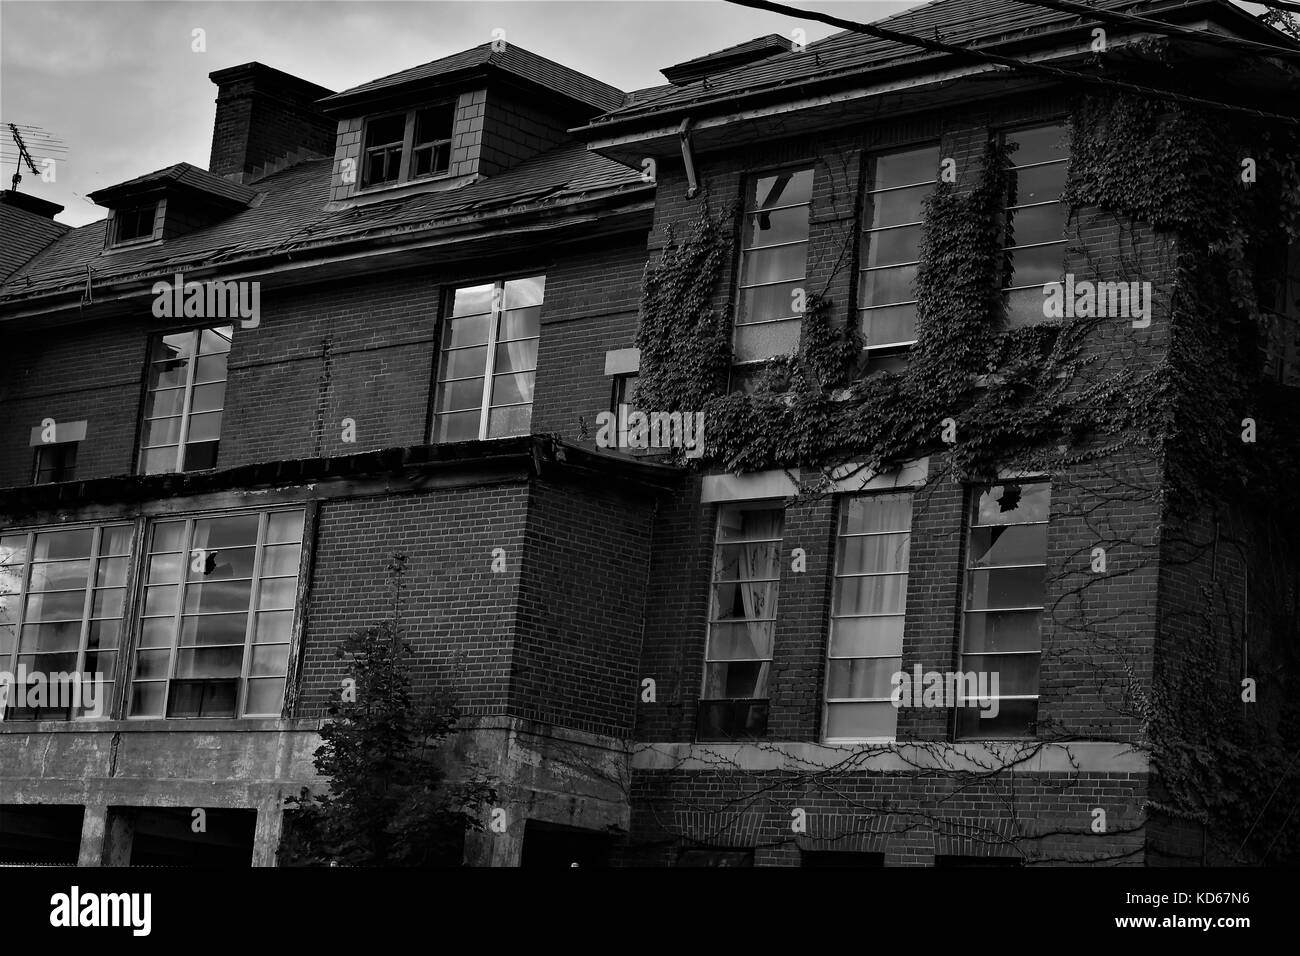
[
  {"x": 134, "y": 224},
  {"x": 432, "y": 151},
  {"x": 410, "y": 145}
]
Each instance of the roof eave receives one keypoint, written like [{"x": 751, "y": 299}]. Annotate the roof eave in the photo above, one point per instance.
[
  {"x": 613, "y": 204},
  {"x": 611, "y": 127}
]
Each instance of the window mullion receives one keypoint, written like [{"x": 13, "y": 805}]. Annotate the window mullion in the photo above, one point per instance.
[
  {"x": 89, "y": 602},
  {"x": 191, "y": 373},
  {"x": 254, "y": 597},
  {"x": 24, "y": 586},
  {"x": 408, "y": 144},
  {"x": 489, "y": 368},
  {"x": 178, "y": 618}
]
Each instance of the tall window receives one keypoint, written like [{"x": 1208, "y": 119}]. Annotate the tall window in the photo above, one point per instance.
[
  {"x": 217, "y": 615},
  {"x": 61, "y": 599},
  {"x": 891, "y": 250},
  {"x": 742, "y": 621},
  {"x": 1035, "y": 236},
  {"x": 489, "y": 361},
  {"x": 773, "y": 263},
  {"x": 183, "y": 407},
  {"x": 408, "y": 145},
  {"x": 1006, "y": 587},
  {"x": 867, "y": 610}
]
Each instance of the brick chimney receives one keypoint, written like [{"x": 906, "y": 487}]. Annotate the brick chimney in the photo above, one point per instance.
[{"x": 263, "y": 116}]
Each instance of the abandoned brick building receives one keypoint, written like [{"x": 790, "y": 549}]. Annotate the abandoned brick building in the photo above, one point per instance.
[{"x": 659, "y": 660}]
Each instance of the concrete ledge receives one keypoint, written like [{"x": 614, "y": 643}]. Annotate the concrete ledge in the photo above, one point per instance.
[
  {"x": 164, "y": 725},
  {"x": 1025, "y": 756},
  {"x": 622, "y": 361},
  {"x": 756, "y": 486}
]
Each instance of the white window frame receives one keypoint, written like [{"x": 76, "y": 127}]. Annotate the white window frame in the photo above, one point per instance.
[
  {"x": 827, "y": 700},
  {"x": 750, "y": 207},
  {"x": 976, "y": 491},
  {"x": 250, "y": 626},
  {"x": 10, "y": 663},
  {"x": 494, "y": 320},
  {"x": 1014, "y": 170},
  {"x": 187, "y": 401},
  {"x": 866, "y": 236}
]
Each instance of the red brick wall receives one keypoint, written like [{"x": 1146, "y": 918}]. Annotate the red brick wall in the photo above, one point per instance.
[
  {"x": 591, "y": 307},
  {"x": 581, "y": 609},
  {"x": 93, "y": 372},
  {"x": 910, "y": 817},
  {"x": 459, "y": 615},
  {"x": 262, "y": 116}
]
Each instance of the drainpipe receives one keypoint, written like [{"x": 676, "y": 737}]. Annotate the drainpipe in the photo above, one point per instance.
[{"x": 688, "y": 157}]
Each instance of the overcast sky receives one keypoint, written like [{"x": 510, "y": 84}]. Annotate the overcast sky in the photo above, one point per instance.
[{"x": 119, "y": 85}]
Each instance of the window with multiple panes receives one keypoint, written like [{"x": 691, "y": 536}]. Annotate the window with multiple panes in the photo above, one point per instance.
[
  {"x": 217, "y": 615},
  {"x": 742, "y": 621},
  {"x": 488, "y": 361},
  {"x": 1006, "y": 587},
  {"x": 409, "y": 145},
  {"x": 385, "y": 137},
  {"x": 1035, "y": 221},
  {"x": 898, "y": 184},
  {"x": 431, "y": 145},
  {"x": 134, "y": 224},
  {"x": 62, "y": 595},
  {"x": 184, "y": 402},
  {"x": 773, "y": 263},
  {"x": 55, "y": 462},
  {"x": 867, "y": 609}
]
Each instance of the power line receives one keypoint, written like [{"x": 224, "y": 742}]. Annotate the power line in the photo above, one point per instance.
[
  {"x": 1167, "y": 29},
  {"x": 983, "y": 56}
]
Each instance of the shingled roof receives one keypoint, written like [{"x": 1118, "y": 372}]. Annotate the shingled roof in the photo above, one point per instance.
[
  {"x": 292, "y": 216},
  {"x": 974, "y": 23},
  {"x": 24, "y": 233},
  {"x": 182, "y": 175},
  {"x": 512, "y": 60}
]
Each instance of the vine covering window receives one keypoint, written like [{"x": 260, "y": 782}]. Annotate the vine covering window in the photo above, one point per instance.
[
  {"x": 773, "y": 263},
  {"x": 1035, "y": 238},
  {"x": 898, "y": 185}
]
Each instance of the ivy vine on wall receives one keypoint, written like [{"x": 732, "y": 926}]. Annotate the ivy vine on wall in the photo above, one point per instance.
[{"x": 1224, "y": 193}]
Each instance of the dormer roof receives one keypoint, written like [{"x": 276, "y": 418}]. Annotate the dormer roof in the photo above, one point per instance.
[
  {"x": 182, "y": 177},
  {"x": 475, "y": 65}
]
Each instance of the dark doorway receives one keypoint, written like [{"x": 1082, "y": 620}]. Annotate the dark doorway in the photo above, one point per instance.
[
  {"x": 555, "y": 845},
  {"x": 840, "y": 858},
  {"x": 166, "y": 836},
  {"x": 40, "y": 834}
]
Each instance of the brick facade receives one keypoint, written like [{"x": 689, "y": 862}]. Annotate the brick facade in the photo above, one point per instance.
[{"x": 548, "y": 581}]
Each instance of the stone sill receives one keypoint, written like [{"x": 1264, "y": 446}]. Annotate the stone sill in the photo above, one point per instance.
[{"x": 182, "y": 725}]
